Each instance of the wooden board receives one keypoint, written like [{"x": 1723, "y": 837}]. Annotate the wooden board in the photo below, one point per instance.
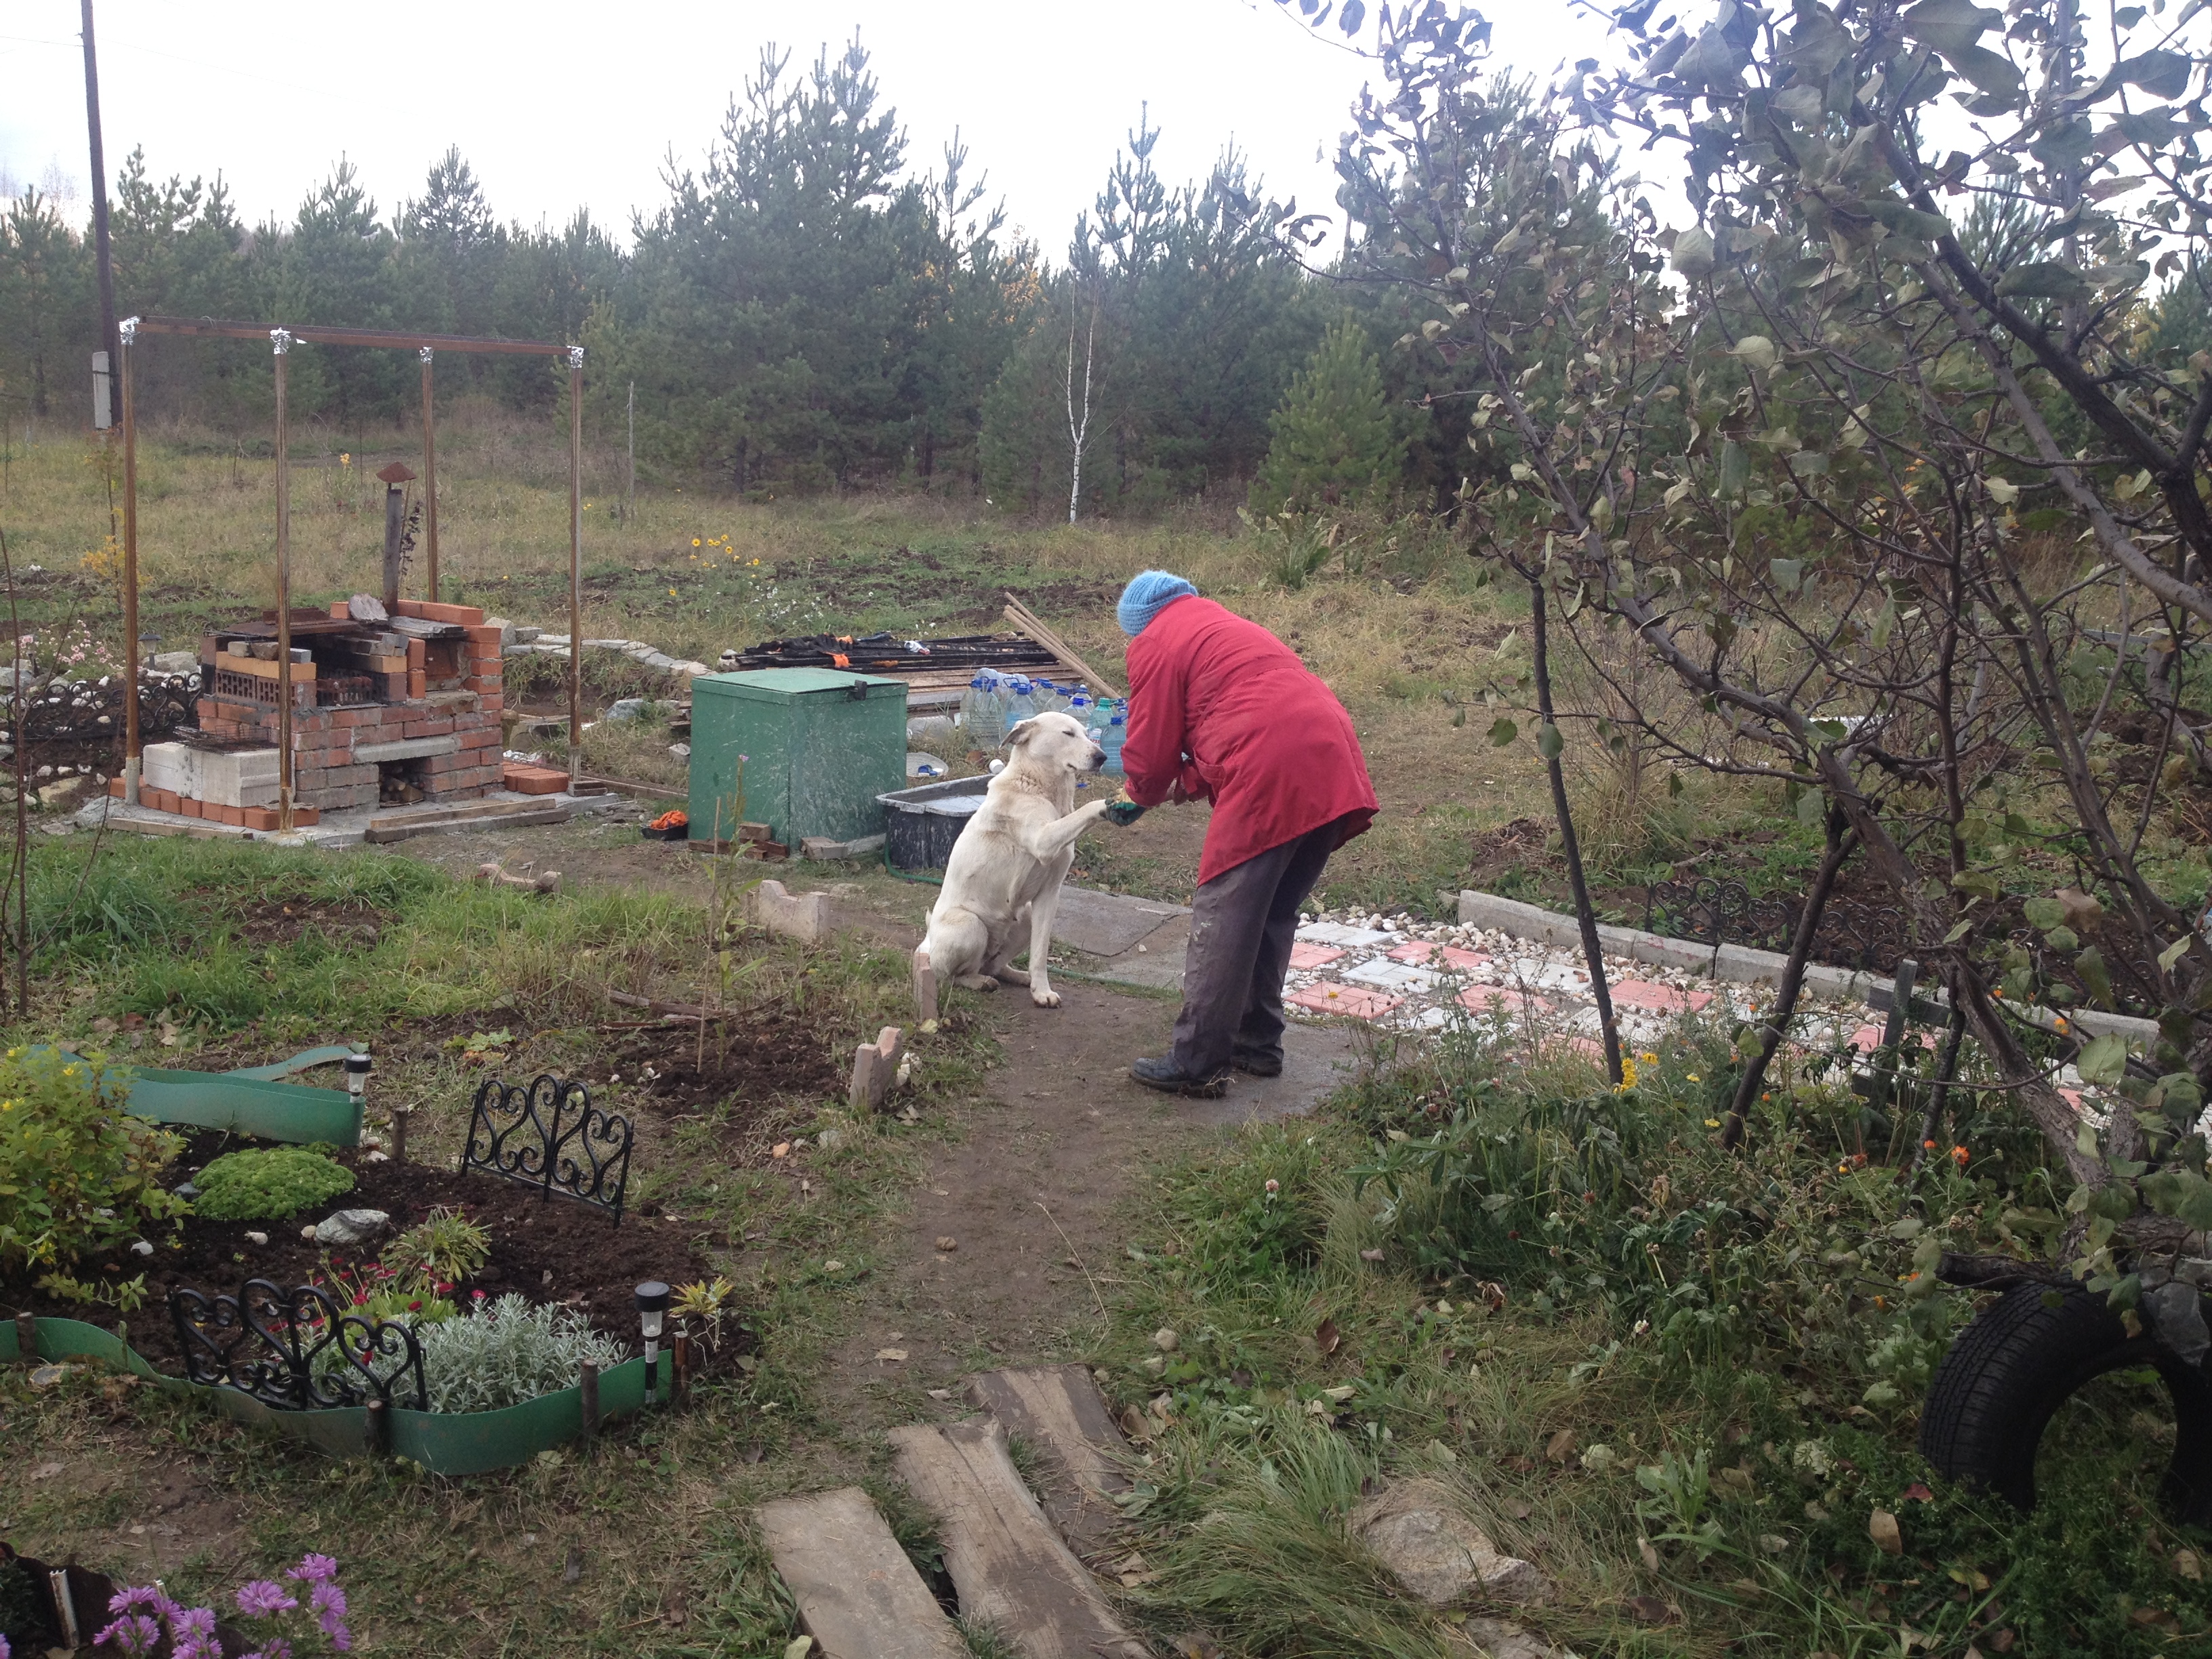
[
  {"x": 859, "y": 1596},
  {"x": 302, "y": 672},
  {"x": 1007, "y": 1562},
  {"x": 1059, "y": 1410},
  {"x": 383, "y": 834}
]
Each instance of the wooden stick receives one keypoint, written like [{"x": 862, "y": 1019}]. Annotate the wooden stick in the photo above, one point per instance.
[{"x": 1027, "y": 620}]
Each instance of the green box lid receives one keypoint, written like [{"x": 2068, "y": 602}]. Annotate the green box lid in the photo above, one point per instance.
[{"x": 782, "y": 684}]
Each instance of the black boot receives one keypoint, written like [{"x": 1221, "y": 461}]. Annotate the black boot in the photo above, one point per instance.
[
  {"x": 1257, "y": 1062},
  {"x": 1162, "y": 1074}
]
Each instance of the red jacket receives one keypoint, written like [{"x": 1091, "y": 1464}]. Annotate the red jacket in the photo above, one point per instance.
[{"x": 1266, "y": 738}]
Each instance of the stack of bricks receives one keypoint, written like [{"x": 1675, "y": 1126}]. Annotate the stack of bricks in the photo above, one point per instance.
[{"x": 337, "y": 751}]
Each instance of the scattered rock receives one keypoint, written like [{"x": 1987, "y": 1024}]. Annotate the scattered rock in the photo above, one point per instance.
[
  {"x": 946, "y": 1243},
  {"x": 257, "y": 1238},
  {"x": 349, "y": 1227},
  {"x": 1165, "y": 1340},
  {"x": 46, "y": 1377},
  {"x": 891, "y": 1356},
  {"x": 1417, "y": 1530}
]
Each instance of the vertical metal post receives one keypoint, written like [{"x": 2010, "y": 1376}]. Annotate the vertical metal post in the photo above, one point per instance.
[
  {"x": 575, "y": 564},
  {"x": 103, "y": 259},
  {"x": 430, "y": 475},
  {"x": 629, "y": 477},
  {"x": 281, "y": 340},
  {"x": 129, "y": 330}
]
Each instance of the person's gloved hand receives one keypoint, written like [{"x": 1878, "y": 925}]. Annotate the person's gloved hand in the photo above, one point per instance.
[{"x": 1125, "y": 812}]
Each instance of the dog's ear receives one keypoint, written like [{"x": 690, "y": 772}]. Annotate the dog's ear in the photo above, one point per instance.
[{"x": 1022, "y": 732}]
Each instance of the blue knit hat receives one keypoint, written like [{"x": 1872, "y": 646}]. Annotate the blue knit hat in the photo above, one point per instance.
[{"x": 1148, "y": 593}]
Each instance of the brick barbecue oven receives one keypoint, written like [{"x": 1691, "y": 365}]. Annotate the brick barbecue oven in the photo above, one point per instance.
[{"x": 388, "y": 707}]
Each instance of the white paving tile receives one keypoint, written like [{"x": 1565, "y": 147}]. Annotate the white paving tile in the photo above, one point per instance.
[
  {"x": 1393, "y": 976},
  {"x": 1330, "y": 932}
]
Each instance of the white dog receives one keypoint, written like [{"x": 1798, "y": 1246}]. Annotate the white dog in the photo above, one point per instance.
[{"x": 1009, "y": 860}]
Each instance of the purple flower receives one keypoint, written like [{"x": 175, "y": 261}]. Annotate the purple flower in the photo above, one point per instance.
[
  {"x": 328, "y": 1603},
  {"x": 279, "y": 1648},
  {"x": 6, "y": 1652},
  {"x": 261, "y": 1598},
  {"x": 315, "y": 1570},
  {"x": 135, "y": 1633},
  {"x": 138, "y": 1595}
]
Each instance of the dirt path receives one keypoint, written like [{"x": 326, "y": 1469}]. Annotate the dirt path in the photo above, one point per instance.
[{"x": 1034, "y": 1200}]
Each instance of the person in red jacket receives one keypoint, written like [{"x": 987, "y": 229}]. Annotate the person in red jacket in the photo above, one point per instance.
[{"x": 1222, "y": 710}]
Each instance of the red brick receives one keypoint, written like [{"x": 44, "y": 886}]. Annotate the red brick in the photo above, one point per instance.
[
  {"x": 467, "y": 615},
  {"x": 418, "y": 685},
  {"x": 304, "y": 816},
  {"x": 190, "y": 808},
  {"x": 115, "y": 787},
  {"x": 418, "y": 655},
  {"x": 258, "y": 818},
  {"x": 482, "y": 685},
  {"x": 534, "y": 780},
  {"x": 228, "y": 814},
  {"x": 482, "y": 635},
  {"x": 340, "y": 610}
]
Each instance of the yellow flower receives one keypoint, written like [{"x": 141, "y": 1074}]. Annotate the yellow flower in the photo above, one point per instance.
[
  {"x": 1650, "y": 1060},
  {"x": 1692, "y": 1076},
  {"x": 694, "y": 541},
  {"x": 1712, "y": 1123},
  {"x": 344, "y": 459},
  {"x": 671, "y": 593}
]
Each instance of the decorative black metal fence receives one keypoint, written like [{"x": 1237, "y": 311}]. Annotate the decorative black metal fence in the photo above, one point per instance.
[
  {"x": 91, "y": 711},
  {"x": 297, "y": 1350},
  {"x": 550, "y": 1136},
  {"x": 1852, "y": 934}
]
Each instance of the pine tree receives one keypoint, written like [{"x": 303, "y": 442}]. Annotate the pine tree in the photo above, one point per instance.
[{"x": 1334, "y": 437}]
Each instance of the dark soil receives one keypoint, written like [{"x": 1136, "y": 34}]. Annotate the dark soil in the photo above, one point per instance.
[
  {"x": 267, "y": 922},
  {"x": 768, "y": 1053},
  {"x": 547, "y": 1250}
]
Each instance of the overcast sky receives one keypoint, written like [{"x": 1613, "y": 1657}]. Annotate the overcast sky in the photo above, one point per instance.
[{"x": 558, "y": 104}]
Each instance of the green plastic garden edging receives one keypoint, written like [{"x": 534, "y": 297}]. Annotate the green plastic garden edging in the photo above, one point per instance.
[
  {"x": 443, "y": 1443},
  {"x": 248, "y": 1103}
]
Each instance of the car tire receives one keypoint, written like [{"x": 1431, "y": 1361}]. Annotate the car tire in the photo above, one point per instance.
[{"x": 2020, "y": 1359}]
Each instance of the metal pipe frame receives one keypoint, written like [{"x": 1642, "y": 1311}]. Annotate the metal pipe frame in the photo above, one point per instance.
[
  {"x": 130, "y": 744},
  {"x": 281, "y": 340}
]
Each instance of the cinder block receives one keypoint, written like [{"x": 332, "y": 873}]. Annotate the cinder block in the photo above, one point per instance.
[{"x": 802, "y": 916}]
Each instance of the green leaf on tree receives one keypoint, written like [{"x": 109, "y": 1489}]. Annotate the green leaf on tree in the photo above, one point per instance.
[
  {"x": 2104, "y": 1060},
  {"x": 1502, "y": 730},
  {"x": 1549, "y": 742}
]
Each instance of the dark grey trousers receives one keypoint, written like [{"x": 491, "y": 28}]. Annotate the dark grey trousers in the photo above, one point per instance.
[{"x": 1241, "y": 927}]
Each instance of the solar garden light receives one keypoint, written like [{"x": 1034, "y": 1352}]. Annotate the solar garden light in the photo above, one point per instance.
[{"x": 652, "y": 1310}]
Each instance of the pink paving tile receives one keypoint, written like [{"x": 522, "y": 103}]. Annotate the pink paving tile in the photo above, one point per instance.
[
  {"x": 1867, "y": 1038},
  {"x": 1481, "y": 999},
  {"x": 1305, "y": 956},
  {"x": 2072, "y": 1097},
  {"x": 1327, "y": 997},
  {"x": 1422, "y": 953},
  {"x": 1662, "y": 999}
]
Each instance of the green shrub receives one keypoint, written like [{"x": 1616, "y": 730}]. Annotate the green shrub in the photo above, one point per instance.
[
  {"x": 507, "y": 1351},
  {"x": 77, "y": 1172},
  {"x": 267, "y": 1186},
  {"x": 438, "y": 1253},
  {"x": 1333, "y": 439}
]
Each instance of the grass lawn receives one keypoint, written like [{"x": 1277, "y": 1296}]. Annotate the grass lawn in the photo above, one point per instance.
[{"x": 1682, "y": 1385}]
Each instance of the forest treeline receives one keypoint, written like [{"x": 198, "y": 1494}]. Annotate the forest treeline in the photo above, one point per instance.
[{"x": 808, "y": 309}]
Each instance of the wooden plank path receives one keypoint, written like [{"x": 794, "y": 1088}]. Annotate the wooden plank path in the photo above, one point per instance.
[
  {"x": 1059, "y": 1410},
  {"x": 1009, "y": 1565},
  {"x": 859, "y": 1596}
]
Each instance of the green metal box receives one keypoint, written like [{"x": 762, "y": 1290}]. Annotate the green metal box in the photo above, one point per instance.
[{"x": 819, "y": 745}]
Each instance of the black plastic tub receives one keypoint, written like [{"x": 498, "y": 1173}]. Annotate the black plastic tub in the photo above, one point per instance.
[{"x": 921, "y": 823}]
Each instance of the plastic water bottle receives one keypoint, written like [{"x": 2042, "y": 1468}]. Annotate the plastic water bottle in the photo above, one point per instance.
[
  {"x": 980, "y": 709},
  {"x": 1018, "y": 703},
  {"x": 1079, "y": 710},
  {"x": 1117, "y": 729}
]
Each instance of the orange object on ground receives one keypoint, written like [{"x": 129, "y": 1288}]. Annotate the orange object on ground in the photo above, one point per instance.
[{"x": 674, "y": 819}]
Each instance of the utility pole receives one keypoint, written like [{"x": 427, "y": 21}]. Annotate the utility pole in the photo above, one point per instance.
[
  {"x": 629, "y": 480},
  {"x": 110, "y": 337}
]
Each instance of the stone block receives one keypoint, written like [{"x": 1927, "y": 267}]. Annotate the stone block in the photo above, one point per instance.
[
  {"x": 875, "y": 1068},
  {"x": 1419, "y": 1531},
  {"x": 802, "y": 916}
]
